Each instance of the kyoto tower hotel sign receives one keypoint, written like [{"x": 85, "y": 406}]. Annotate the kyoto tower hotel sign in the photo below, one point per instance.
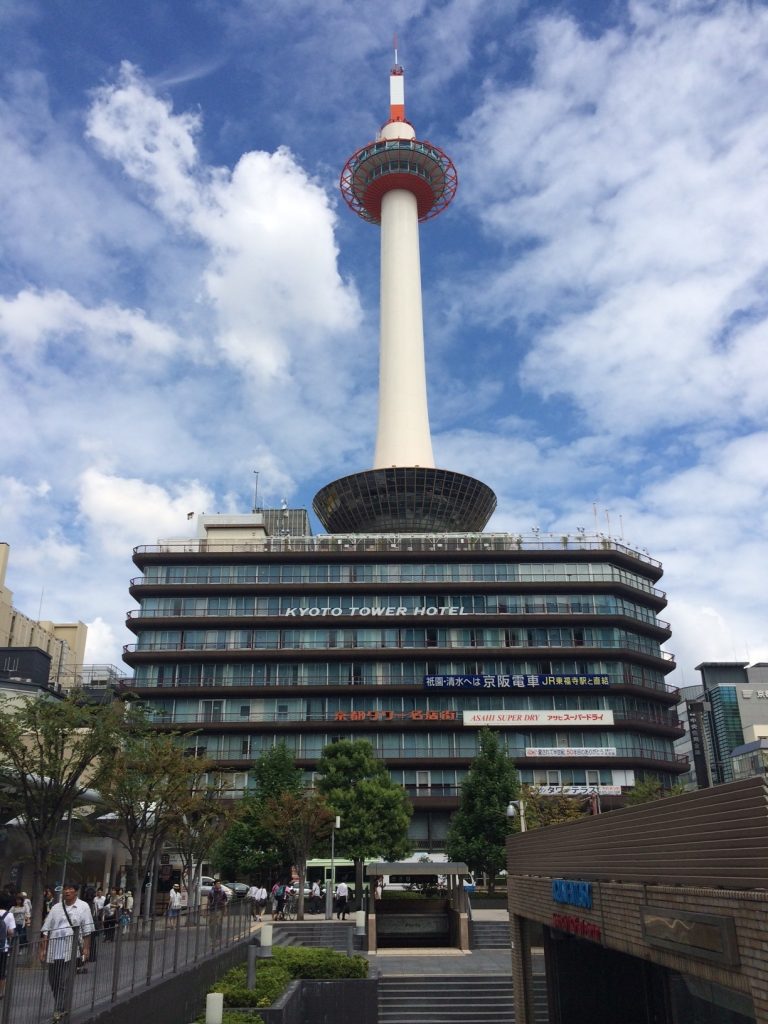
[{"x": 397, "y": 182}]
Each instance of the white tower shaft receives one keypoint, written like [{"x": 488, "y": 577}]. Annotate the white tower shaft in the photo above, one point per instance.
[{"x": 403, "y": 437}]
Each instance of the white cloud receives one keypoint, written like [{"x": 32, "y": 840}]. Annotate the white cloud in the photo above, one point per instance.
[
  {"x": 637, "y": 163},
  {"x": 124, "y": 512},
  {"x": 272, "y": 276},
  {"x": 31, "y": 320},
  {"x": 101, "y": 643}
]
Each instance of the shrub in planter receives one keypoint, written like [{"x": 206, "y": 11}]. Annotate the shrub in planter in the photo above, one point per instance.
[
  {"x": 271, "y": 982},
  {"x": 320, "y": 964},
  {"x": 236, "y": 1017},
  {"x": 274, "y": 974}
]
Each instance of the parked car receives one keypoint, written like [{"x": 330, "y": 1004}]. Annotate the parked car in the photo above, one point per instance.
[
  {"x": 206, "y": 884},
  {"x": 238, "y": 888}
]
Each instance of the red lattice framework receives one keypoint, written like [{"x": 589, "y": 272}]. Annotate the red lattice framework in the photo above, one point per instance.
[{"x": 418, "y": 167}]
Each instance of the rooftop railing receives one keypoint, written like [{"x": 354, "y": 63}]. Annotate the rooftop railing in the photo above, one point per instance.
[{"x": 453, "y": 542}]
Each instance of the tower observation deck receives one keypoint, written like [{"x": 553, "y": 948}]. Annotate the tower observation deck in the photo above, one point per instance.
[{"x": 397, "y": 182}]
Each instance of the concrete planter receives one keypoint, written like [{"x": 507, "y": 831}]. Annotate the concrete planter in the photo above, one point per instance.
[{"x": 341, "y": 1001}]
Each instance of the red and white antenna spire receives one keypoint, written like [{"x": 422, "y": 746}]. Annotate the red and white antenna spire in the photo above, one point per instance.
[
  {"x": 396, "y": 90},
  {"x": 396, "y": 181}
]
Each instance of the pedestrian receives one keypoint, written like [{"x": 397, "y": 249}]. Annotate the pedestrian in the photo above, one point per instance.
[
  {"x": 49, "y": 898},
  {"x": 89, "y": 897},
  {"x": 252, "y": 901},
  {"x": 262, "y": 898},
  {"x": 314, "y": 898},
  {"x": 57, "y": 945},
  {"x": 217, "y": 902},
  {"x": 21, "y": 920},
  {"x": 174, "y": 902},
  {"x": 113, "y": 908},
  {"x": 281, "y": 893},
  {"x": 7, "y": 933},
  {"x": 27, "y": 904},
  {"x": 127, "y": 915},
  {"x": 98, "y": 905},
  {"x": 342, "y": 896}
]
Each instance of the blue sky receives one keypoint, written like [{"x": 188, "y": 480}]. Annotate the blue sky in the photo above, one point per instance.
[{"x": 184, "y": 297}]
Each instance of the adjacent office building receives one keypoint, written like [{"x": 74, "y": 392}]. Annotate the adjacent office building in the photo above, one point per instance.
[
  {"x": 61, "y": 643},
  {"x": 722, "y": 716},
  {"x": 405, "y": 623}
]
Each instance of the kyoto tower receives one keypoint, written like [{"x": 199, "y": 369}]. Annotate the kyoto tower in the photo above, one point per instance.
[{"x": 397, "y": 182}]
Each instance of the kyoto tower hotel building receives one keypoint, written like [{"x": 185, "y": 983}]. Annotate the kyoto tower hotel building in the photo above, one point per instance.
[{"x": 404, "y": 623}]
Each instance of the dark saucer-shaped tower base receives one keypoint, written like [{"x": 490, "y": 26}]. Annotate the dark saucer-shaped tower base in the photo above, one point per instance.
[{"x": 405, "y": 499}]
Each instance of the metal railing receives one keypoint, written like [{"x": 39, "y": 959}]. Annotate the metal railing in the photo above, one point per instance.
[
  {"x": 375, "y": 679},
  {"x": 165, "y": 718},
  {"x": 461, "y": 542},
  {"x": 385, "y": 643},
  {"x": 201, "y": 611},
  {"x": 121, "y": 960}
]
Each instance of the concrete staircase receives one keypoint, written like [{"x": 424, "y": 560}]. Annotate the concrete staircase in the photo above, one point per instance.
[
  {"x": 314, "y": 933},
  {"x": 490, "y": 935},
  {"x": 461, "y": 999}
]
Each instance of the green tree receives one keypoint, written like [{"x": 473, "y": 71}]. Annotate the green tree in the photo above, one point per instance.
[
  {"x": 374, "y": 809},
  {"x": 479, "y": 829},
  {"x": 52, "y": 753},
  {"x": 146, "y": 781},
  {"x": 249, "y": 847},
  {"x": 298, "y": 821},
  {"x": 197, "y": 823},
  {"x": 541, "y": 811},
  {"x": 650, "y": 788}
]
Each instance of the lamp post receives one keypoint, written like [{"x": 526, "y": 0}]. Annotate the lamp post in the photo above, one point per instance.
[
  {"x": 515, "y": 806},
  {"x": 329, "y": 888}
]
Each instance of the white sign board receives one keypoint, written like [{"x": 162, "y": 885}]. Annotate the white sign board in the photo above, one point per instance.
[
  {"x": 578, "y": 790},
  {"x": 522, "y": 718},
  {"x": 570, "y": 751}
]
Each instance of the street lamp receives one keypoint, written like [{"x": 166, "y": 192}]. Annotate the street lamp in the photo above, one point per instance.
[
  {"x": 329, "y": 889},
  {"x": 512, "y": 810}
]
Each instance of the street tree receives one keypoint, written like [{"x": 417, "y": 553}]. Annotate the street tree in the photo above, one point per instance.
[
  {"x": 248, "y": 847},
  {"x": 542, "y": 810},
  {"x": 374, "y": 810},
  {"x": 298, "y": 821},
  {"x": 479, "y": 828},
  {"x": 650, "y": 788},
  {"x": 52, "y": 753},
  {"x": 148, "y": 778},
  {"x": 197, "y": 822}
]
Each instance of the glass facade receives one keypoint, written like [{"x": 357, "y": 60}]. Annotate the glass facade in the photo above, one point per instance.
[{"x": 241, "y": 647}]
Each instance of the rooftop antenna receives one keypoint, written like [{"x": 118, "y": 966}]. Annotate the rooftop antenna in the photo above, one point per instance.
[
  {"x": 256, "y": 492},
  {"x": 394, "y": 42}
]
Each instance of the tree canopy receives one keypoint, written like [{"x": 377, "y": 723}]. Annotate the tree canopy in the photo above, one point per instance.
[
  {"x": 479, "y": 828},
  {"x": 250, "y": 847},
  {"x": 298, "y": 821},
  {"x": 147, "y": 782},
  {"x": 650, "y": 788},
  {"x": 542, "y": 810},
  {"x": 374, "y": 810},
  {"x": 52, "y": 753}
]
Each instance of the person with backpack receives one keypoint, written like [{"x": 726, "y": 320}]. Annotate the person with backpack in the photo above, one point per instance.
[
  {"x": 7, "y": 933},
  {"x": 281, "y": 892},
  {"x": 217, "y": 904}
]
